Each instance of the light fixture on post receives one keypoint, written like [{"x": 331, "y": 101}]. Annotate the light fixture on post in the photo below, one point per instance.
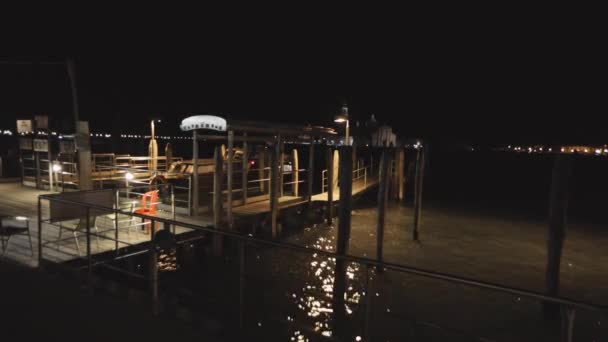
[
  {"x": 56, "y": 170},
  {"x": 343, "y": 118},
  {"x": 128, "y": 176}
]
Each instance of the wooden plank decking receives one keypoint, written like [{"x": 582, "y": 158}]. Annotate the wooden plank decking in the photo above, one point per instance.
[{"x": 18, "y": 200}]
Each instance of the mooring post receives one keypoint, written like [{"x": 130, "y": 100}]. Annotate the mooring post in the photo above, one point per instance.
[
  {"x": 218, "y": 174},
  {"x": 261, "y": 170},
  {"x": 195, "y": 179},
  {"x": 330, "y": 186},
  {"x": 400, "y": 173},
  {"x": 245, "y": 166},
  {"x": 396, "y": 181},
  {"x": 274, "y": 193},
  {"x": 418, "y": 186},
  {"x": 230, "y": 177},
  {"x": 558, "y": 214},
  {"x": 344, "y": 221},
  {"x": 295, "y": 173},
  {"x": 310, "y": 172},
  {"x": 382, "y": 204},
  {"x": 281, "y": 166},
  {"x": 89, "y": 255}
]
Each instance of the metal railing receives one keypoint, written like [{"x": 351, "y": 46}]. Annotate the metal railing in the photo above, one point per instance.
[
  {"x": 151, "y": 247},
  {"x": 359, "y": 174}
]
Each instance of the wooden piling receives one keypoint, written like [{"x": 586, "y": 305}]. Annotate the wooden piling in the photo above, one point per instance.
[
  {"x": 195, "y": 179},
  {"x": 558, "y": 214},
  {"x": 230, "y": 169},
  {"x": 383, "y": 182},
  {"x": 274, "y": 191},
  {"x": 282, "y": 167},
  {"x": 330, "y": 186},
  {"x": 345, "y": 206},
  {"x": 245, "y": 167},
  {"x": 218, "y": 175},
  {"x": 309, "y": 172},
  {"x": 395, "y": 181},
  {"x": 295, "y": 186},
  {"x": 261, "y": 171},
  {"x": 418, "y": 187},
  {"x": 344, "y": 223},
  {"x": 400, "y": 174}
]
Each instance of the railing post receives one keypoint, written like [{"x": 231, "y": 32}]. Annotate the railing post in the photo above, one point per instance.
[
  {"x": 242, "y": 279},
  {"x": 39, "y": 233},
  {"x": 567, "y": 324},
  {"x": 153, "y": 268},
  {"x": 117, "y": 208},
  {"x": 173, "y": 205},
  {"x": 295, "y": 173},
  {"x": 368, "y": 303}
]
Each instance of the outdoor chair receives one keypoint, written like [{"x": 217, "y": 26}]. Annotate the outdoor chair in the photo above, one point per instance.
[
  {"x": 149, "y": 204},
  {"x": 12, "y": 226}
]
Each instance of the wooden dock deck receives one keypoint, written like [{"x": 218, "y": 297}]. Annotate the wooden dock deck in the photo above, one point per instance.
[
  {"x": 18, "y": 200},
  {"x": 263, "y": 206}
]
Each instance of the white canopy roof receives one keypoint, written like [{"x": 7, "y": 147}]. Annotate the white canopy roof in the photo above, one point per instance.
[{"x": 211, "y": 122}]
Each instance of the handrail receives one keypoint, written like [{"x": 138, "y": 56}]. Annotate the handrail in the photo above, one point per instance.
[{"x": 349, "y": 258}]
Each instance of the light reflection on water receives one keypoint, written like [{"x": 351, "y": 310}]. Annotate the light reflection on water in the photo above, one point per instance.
[{"x": 315, "y": 299}]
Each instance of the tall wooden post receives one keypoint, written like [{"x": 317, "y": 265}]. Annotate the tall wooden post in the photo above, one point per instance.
[
  {"x": 168, "y": 156},
  {"x": 295, "y": 174},
  {"x": 418, "y": 187},
  {"x": 400, "y": 174},
  {"x": 195, "y": 179},
  {"x": 396, "y": 174},
  {"x": 83, "y": 145},
  {"x": 330, "y": 186},
  {"x": 261, "y": 171},
  {"x": 281, "y": 166},
  {"x": 82, "y": 136},
  {"x": 382, "y": 203},
  {"x": 354, "y": 155},
  {"x": 230, "y": 176},
  {"x": 245, "y": 166},
  {"x": 336, "y": 165},
  {"x": 344, "y": 220},
  {"x": 274, "y": 191},
  {"x": 311, "y": 166},
  {"x": 218, "y": 175},
  {"x": 558, "y": 214}
]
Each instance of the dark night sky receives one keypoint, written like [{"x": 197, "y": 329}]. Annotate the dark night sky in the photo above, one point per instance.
[{"x": 470, "y": 83}]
